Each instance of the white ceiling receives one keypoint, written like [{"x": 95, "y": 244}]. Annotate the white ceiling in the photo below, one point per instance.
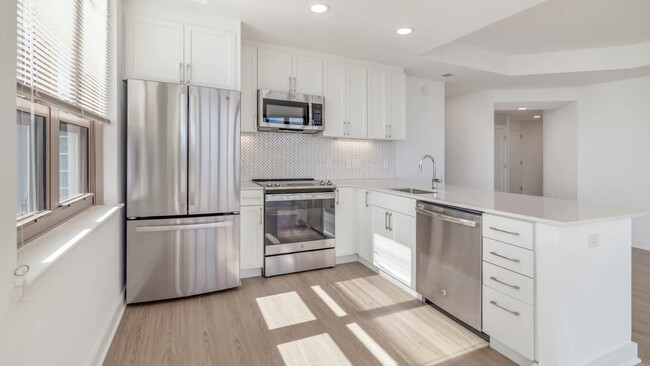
[
  {"x": 521, "y": 116},
  {"x": 487, "y": 43}
]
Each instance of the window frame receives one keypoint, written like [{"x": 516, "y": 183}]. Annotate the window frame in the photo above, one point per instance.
[{"x": 57, "y": 212}]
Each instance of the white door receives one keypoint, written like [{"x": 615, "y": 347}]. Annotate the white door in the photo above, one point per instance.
[
  {"x": 403, "y": 248},
  {"x": 308, "y": 75},
  {"x": 248, "y": 89},
  {"x": 211, "y": 57},
  {"x": 396, "y": 125},
  {"x": 357, "y": 91},
  {"x": 532, "y": 158},
  {"x": 274, "y": 70},
  {"x": 363, "y": 215},
  {"x": 153, "y": 49},
  {"x": 500, "y": 158},
  {"x": 251, "y": 237},
  {"x": 344, "y": 221},
  {"x": 377, "y": 119},
  {"x": 514, "y": 152},
  {"x": 335, "y": 90}
]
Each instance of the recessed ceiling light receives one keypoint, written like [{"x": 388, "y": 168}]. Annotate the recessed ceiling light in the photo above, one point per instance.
[
  {"x": 319, "y": 8},
  {"x": 537, "y": 116},
  {"x": 404, "y": 31},
  {"x": 522, "y": 108}
]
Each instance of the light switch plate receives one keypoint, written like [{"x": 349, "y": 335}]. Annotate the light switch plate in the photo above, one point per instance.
[{"x": 594, "y": 240}]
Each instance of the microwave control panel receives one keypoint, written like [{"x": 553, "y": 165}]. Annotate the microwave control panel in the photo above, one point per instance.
[{"x": 317, "y": 114}]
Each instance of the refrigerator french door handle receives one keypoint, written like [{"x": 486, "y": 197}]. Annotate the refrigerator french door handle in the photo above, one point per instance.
[
  {"x": 182, "y": 177},
  {"x": 210, "y": 225},
  {"x": 192, "y": 149}
]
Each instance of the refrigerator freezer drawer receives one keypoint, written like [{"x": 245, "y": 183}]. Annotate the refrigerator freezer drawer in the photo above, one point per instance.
[{"x": 169, "y": 258}]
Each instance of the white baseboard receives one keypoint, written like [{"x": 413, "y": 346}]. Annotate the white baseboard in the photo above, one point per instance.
[
  {"x": 251, "y": 272},
  {"x": 510, "y": 353},
  {"x": 624, "y": 356},
  {"x": 347, "y": 259},
  {"x": 101, "y": 349},
  {"x": 641, "y": 243}
]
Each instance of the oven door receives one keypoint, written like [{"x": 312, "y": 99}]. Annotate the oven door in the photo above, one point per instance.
[
  {"x": 286, "y": 111},
  {"x": 295, "y": 222}
]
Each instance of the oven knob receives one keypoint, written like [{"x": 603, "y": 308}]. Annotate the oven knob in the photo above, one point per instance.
[
  {"x": 329, "y": 182},
  {"x": 269, "y": 184},
  {"x": 277, "y": 184},
  {"x": 322, "y": 182}
]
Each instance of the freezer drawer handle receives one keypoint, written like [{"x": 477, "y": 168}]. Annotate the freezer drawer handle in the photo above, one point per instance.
[
  {"x": 148, "y": 229},
  {"x": 515, "y": 313},
  {"x": 451, "y": 219},
  {"x": 504, "y": 283},
  {"x": 504, "y": 257},
  {"x": 299, "y": 196},
  {"x": 504, "y": 231}
]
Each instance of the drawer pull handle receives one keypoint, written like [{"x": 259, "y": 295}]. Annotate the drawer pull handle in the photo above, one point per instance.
[
  {"x": 504, "y": 231},
  {"x": 515, "y": 313},
  {"x": 503, "y": 283},
  {"x": 504, "y": 257}
]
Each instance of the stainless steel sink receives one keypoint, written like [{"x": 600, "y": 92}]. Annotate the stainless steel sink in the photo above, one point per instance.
[{"x": 412, "y": 190}]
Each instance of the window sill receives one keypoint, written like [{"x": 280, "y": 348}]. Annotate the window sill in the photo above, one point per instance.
[{"x": 46, "y": 250}]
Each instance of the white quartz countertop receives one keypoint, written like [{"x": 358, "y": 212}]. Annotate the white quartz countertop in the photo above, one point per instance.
[{"x": 539, "y": 209}]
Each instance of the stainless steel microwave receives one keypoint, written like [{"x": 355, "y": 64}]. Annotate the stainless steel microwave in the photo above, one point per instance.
[{"x": 289, "y": 112}]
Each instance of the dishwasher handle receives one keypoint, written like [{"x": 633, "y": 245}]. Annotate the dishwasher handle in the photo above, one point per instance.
[{"x": 454, "y": 220}]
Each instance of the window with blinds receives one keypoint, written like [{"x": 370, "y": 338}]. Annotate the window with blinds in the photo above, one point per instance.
[{"x": 63, "y": 52}]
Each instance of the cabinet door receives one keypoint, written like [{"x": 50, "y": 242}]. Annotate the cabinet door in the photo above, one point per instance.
[
  {"x": 377, "y": 98},
  {"x": 308, "y": 74},
  {"x": 344, "y": 221},
  {"x": 381, "y": 238},
  {"x": 210, "y": 57},
  {"x": 248, "y": 89},
  {"x": 363, "y": 215},
  {"x": 336, "y": 100},
  {"x": 357, "y": 92},
  {"x": 396, "y": 125},
  {"x": 402, "y": 252},
  {"x": 153, "y": 49},
  {"x": 273, "y": 70},
  {"x": 252, "y": 237}
]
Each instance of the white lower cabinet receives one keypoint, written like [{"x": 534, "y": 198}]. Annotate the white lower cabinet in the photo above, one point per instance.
[
  {"x": 344, "y": 222},
  {"x": 252, "y": 237},
  {"x": 363, "y": 224},
  {"x": 510, "y": 321}
]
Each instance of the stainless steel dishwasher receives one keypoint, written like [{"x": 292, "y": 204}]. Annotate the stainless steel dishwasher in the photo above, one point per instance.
[{"x": 448, "y": 270}]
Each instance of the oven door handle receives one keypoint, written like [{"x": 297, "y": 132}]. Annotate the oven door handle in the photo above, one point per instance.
[{"x": 299, "y": 196}]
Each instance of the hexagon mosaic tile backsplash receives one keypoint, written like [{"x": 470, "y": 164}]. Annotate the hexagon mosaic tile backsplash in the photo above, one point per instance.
[{"x": 286, "y": 155}]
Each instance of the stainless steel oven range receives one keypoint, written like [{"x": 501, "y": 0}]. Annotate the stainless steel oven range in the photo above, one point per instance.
[{"x": 299, "y": 231}]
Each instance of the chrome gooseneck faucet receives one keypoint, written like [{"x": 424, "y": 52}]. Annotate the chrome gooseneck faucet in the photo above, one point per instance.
[{"x": 434, "y": 180}]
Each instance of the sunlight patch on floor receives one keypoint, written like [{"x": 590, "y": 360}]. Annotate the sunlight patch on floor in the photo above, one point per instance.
[
  {"x": 380, "y": 354},
  {"x": 329, "y": 301},
  {"x": 366, "y": 293},
  {"x": 424, "y": 336},
  {"x": 318, "y": 350},
  {"x": 284, "y": 309}
]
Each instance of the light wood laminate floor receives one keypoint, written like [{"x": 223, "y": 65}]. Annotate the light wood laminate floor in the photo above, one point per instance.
[{"x": 347, "y": 315}]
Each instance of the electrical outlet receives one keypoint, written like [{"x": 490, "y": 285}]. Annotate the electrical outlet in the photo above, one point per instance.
[
  {"x": 356, "y": 164},
  {"x": 594, "y": 240},
  {"x": 348, "y": 163}
]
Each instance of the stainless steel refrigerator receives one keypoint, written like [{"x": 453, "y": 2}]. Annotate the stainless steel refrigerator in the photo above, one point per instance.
[{"x": 182, "y": 199}]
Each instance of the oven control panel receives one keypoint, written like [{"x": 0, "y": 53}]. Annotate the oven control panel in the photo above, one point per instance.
[{"x": 317, "y": 114}]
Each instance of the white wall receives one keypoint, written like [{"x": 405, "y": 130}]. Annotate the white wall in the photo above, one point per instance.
[
  {"x": 67, "y": 311},
  {"x": 425, "y": 123},
  {"x": 469, "y": 140},
  {"x": 614, "y": 148},
  {"x": 561, "y": 152}
]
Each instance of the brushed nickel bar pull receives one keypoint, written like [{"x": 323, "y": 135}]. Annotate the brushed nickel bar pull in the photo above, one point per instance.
[
  {"x": 504, "y": 283},
  {"x": 367, "y": 194},
  {"x": 504, "y": 231},
  {"x": 515, "y": 313},
  {"x": 261, "y": 215},
  {"x": 504, "y": 257}
]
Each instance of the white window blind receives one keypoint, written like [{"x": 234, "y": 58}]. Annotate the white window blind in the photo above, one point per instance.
[{"x": 63, "y": 52}]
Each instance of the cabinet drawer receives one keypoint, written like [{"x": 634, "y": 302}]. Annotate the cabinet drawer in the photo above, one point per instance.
[
  {"x": 509, "y": 321},
  {"x": 515, "y": 232},
  {"x": 252, "y": 197},
  {"x": 510, "y": 283},
  {"x": 393, "y": 203},
  {"x": 509, "y": 256}
]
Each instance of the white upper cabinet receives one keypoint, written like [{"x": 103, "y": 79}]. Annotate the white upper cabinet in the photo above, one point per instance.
[
  {"x": 346, "y": 100},
  {"x": 172, "y": 51},
  {"x": 396, "y": 123},
  {"x": 377, "y": 108},
  {"x": 307, "y": 75},
  {"x": 248, "y": 89},
  {"x": 210, "y": 57},
  {"x": 153, "y": 49},
  {"x": 283, "y": 71},
  {"x": 274, "y": 70}
]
